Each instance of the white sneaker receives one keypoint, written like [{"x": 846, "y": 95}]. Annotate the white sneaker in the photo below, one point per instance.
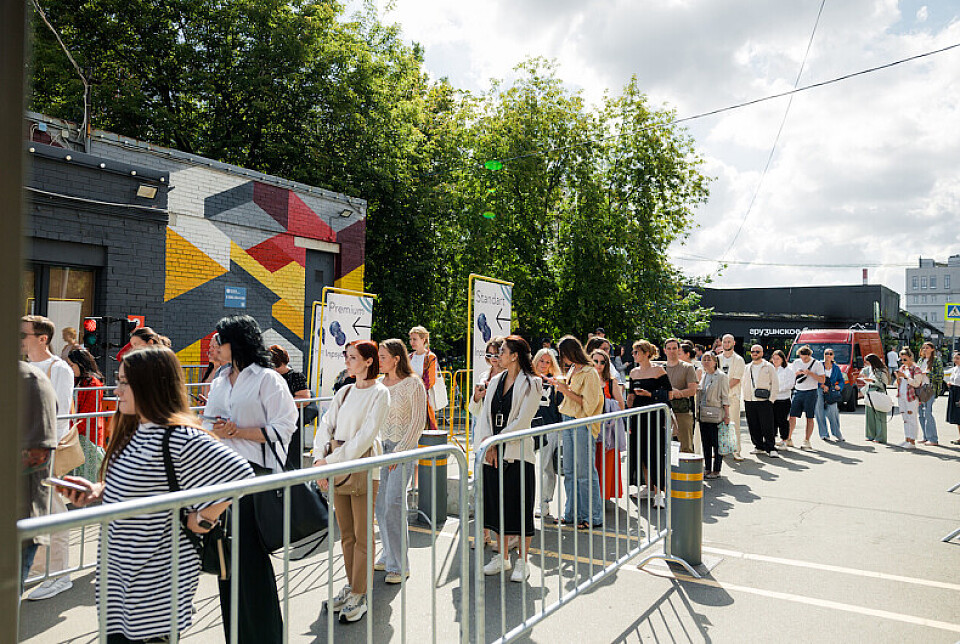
[
  {"x": 659, "y": 501},
  {"x": 340, "y": 600},
  {"x": 542, "y": 511},
  {"x": 781, "y": 444},
  {"x": 354, "y": 609},
  {"x": 50, "y": 588},
  {"x": 807, "y": 446},
  {"x": 497, "y": 564},
  {"x": 904, "y": 445},
  {"x": 757, "y": 451},
  {"x": 773, "y": 454},
  {"x": 789, "y": 442},
  {"x": 520, "y": 572}
]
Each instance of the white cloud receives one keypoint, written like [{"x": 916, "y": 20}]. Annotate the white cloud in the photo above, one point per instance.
[{"x": 866, "y": 170}]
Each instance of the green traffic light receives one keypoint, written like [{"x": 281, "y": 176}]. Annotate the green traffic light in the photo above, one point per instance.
[
  {"x": 493, "y": 165},
  {"x": 489, "y": 215}
]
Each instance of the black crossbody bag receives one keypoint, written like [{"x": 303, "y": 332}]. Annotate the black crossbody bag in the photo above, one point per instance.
[
  {"x": 760, "y": 393},
  {"x": 213, "y": 548}
]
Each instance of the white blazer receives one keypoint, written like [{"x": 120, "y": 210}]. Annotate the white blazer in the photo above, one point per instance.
[{"x": 527, "y": 392}]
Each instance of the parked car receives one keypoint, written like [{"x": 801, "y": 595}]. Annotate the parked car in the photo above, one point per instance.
[{"x": 849, "y": 348}]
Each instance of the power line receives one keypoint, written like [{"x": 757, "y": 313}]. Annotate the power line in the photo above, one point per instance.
[
  {"x": 789, "y": 265},
  {"x": 776, "y": 139},
  {"x": 721, "y": 110}
]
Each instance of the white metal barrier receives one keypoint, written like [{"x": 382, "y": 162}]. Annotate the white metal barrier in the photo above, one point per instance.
[
  {"x": 653, "y": 523},
  {"x": 101, "y": 516}
]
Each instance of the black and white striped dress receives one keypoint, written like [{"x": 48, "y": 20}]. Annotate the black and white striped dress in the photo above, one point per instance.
[{"x": 140, "y": 549}]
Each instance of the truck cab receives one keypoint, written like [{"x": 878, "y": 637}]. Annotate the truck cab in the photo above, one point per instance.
[{"x": 849, "y": 349}]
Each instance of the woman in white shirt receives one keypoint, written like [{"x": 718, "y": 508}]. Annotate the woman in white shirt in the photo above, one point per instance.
[
  {"x": 400, "y": 432},
  {"x": 781, "y": 406},
  {"x": 248, "y": 405},
  {"x": 424, "y": 363},
  {"x": 509, "y": 406},
  {"x": 953, "y": 396},
  {"x": 351, "y": 427}
]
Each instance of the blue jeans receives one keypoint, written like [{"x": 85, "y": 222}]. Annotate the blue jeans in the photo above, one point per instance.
[
  {"x": 27, "y": 556},
  {"x": 928, "y": 424},
  {"x": 391, "y": 511},
  {"x": 827, "y": 414},
  {"x": 584, "y": 483}
]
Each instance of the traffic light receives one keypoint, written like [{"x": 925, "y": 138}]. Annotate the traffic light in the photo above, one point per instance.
[{"x": 92, "y": 333}]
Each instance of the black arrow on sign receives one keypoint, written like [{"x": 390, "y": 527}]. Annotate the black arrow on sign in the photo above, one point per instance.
[
  {"x": 362, "y": 326},
  {"x": 500, "y": 320}
]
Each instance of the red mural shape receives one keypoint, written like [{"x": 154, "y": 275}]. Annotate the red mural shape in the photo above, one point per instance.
[
  {"x": 304, "y": 222},
  {"x": 278, "y": 251}
]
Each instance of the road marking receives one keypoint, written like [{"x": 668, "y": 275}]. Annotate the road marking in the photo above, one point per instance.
[
  {"x": 811, "y": 601},
  {"x": 839, "y": 569}
]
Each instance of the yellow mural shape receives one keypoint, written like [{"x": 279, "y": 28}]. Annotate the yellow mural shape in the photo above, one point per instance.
[
  {"x": 187, "y": 266},
  {"x": 352, "y": 280},
  {"x": 191, "y": 354},
  {"x": 289, "y": 317},
  {"x": 287, "y": 283}
]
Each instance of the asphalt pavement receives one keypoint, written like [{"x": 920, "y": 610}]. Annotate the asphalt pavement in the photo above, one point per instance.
[{"x": 841, "y": 544}]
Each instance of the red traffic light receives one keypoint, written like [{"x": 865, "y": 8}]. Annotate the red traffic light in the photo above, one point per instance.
[{"x": 90, "y": 325}]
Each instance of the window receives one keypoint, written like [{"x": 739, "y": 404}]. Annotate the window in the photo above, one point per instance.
[
  {"x": 915, "y": 282},
  {"x": 933, "y": 316},
  {"x": 924, "y": 316},
  {"x": 923, "y": 283},
  {"x": 923, "y": 299},
  {"x": 946, "y": 282},
  {"x": 933, "y": 281}
]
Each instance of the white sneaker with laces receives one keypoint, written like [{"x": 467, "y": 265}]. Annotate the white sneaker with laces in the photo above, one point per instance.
[
  {"x": 807, "y": 446},
  {"x": 354, "y": 609},
  {"x": 773, "y": 454},
  {"x": 659, "y": 500},
  {"x": 51, "y": 588},
  {"x": 497, "y": 564},
  {"x": 904, "y": 445},
  {"x": 340, "y": 600},
  {"x": 520, "y": 572}
]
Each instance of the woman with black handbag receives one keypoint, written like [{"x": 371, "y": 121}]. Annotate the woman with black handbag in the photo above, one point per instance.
[
  {"x": 348, "y": 431},
  {"x": 152, "y": 404},
  {"x": 249, "y": 404}
]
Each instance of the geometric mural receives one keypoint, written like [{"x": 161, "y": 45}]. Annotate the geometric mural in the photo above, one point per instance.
[{"x": 245, "y": 237}]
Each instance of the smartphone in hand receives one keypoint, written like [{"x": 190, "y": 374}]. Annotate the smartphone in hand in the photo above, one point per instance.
[{"x": 68, "y": 485}]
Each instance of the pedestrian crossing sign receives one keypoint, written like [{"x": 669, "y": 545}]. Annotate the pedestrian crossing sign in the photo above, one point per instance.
[{"x": 952, "y": 311}]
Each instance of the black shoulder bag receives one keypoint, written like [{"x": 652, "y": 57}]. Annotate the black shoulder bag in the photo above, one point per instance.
[
  {"x": 213, "y": 548},
  {"x": 309, "y": 514}
]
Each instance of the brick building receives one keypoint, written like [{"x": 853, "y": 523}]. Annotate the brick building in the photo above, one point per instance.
[{"x": 214, "y": 240}]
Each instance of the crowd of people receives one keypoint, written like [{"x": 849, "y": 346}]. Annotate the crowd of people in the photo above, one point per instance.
[{"x": 256, "y": 402}]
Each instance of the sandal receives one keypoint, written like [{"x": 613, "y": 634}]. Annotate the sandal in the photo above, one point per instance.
[{"x": 560, "y": 521}]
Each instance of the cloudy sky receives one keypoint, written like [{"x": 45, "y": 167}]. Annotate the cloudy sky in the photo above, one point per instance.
[{"x": 865, "y": 171}]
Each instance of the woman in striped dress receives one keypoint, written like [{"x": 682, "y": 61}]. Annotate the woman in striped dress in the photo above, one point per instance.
[{"x": 151, "y": 398}]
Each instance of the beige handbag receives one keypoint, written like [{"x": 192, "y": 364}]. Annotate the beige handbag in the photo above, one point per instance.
[{"x": 69, "y": 454}]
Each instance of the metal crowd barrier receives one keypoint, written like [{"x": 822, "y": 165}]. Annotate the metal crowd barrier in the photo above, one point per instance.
[
  {"x": 104, "y": 514},
  {"x": 652, "y": 526},
  {"x": 100, "y": 434}
]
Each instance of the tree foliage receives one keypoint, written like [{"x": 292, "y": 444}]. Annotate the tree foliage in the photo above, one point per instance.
[{"x": 585, "y": 205}]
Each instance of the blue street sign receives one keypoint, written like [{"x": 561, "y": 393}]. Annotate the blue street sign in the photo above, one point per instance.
[{"x": 235, "y": 297}]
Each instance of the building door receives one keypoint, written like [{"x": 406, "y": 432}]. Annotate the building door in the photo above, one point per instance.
[
  {"x": 319, "y": 273},
  {"x": 65, "y": 294}
]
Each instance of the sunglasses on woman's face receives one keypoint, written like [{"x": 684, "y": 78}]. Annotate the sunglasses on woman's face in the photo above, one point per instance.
[
  {"x": 491, "y": 356},
  {"x": 598, "y": 361}
]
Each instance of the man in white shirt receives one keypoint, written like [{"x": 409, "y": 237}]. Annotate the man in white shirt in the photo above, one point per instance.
[
  {"x": 732, "y": 364},
  {"x": 893, "y": 362},
  {"x": 810, "y": 375},
  {"x": 760, "y": 388},
  {"x": 36, "y": 332}
]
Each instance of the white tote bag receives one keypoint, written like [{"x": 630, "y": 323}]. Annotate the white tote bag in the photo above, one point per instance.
[
  {"x": 880, "y": 401},
  {"x": 438, "y": 393}
]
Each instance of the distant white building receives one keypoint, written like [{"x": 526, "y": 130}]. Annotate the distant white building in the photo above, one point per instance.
[{"x": 930, "y": 287}]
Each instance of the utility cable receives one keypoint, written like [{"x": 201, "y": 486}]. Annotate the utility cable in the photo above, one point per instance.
[{"x": 776, "y": 139}]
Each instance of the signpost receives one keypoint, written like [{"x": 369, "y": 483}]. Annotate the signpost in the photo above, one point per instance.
[
  {"x": 341, "y": 317},
  {"x": 951, "y": 323},
  {"x": 489, "y": 314}
]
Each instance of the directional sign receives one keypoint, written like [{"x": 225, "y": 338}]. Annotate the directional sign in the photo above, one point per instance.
[
  {"x": 492, "y": 313},
  {"x": 345, "y": 317},
  {"x": 952, "y": 311}
]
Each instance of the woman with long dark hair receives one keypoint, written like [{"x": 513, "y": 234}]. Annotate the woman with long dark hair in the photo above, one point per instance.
[
  {"x": 509, "y": 406},
  {"x": 607, "y": 459},
  {"x": 649, "y": 385},
  {"x": 932, "y": 369},
  {"x": 400, "y": 431},
  {"x": 781, "y": 406},
  {"x": 349, "y": 430},
  {"x": 582, "y": 398},
  {"x": 877, "y": 378},
  {"x": 250, "y": 408},
  {"x": 89, "y": 401},
  {"x": 153, "y": 410}
]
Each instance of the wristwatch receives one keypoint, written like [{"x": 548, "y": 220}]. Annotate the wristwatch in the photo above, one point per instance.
[{"x": 204, "y": 523}]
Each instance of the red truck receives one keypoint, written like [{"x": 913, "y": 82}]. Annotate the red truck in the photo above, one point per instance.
[{"x": 849, "y": 349}]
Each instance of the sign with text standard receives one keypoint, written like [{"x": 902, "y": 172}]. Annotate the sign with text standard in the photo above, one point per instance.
[
  {"x": 491, "y": 304},
  {"x": 344, "y": 316}
]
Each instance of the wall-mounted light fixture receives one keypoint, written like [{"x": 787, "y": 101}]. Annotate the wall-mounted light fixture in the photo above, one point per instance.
[
  {"x": 346, "y": 212},
  {"x": 147, "y": 192}
]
